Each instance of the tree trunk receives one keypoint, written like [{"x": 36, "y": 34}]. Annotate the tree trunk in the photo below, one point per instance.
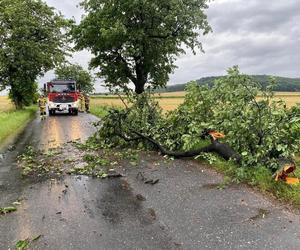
[
  {"x": 222, "y": 149},
  {"x": 141, "y": 77},
  {"x": 139, "y": 88},
  {"x": 16, "y": 97}
]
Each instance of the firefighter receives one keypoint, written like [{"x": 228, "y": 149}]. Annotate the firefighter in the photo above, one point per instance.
[
  {"x": 87, "y": 103},
  {"x": 81, "y": 102},
  {"x": 42, "y": 105}
]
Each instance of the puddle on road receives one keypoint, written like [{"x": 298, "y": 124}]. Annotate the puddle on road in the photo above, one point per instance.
[
  {"x": 61, "y": 128},
  {"x": 119, "y": 204}
]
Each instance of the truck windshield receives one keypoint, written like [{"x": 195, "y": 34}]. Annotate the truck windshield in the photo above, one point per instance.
[{"x": 62, "y": 88}]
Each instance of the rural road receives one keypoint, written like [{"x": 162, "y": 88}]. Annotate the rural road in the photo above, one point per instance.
[{"x": 185, "y": 210}]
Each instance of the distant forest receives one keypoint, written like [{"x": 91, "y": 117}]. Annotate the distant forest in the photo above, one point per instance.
[{"x": 283, "y": 83}]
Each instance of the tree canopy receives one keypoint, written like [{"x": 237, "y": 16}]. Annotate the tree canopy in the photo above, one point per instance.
[
  {"x": 83, "y": 78},
  {"x": 137, "y": 41},
  {"x": 32, "y": 41}
]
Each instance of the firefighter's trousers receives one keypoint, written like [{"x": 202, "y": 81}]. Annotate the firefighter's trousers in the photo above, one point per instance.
[{"x": 43, "y": 112}]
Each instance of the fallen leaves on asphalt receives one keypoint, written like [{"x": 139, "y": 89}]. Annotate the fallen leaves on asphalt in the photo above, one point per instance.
[
  {"x": 24, "y": 244},
  {"x": 6, "y": 210}
]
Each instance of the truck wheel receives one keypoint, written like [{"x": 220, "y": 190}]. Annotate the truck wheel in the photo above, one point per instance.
[{"x": 75, "y": 112}]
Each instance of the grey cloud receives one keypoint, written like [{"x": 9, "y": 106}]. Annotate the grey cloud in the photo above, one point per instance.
[
  {"x": 261, "y": 16},
  {"x": 261, "y": 36}
]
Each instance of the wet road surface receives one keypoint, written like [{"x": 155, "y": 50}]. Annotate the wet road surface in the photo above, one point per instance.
[{"x": 185, "y": 210}]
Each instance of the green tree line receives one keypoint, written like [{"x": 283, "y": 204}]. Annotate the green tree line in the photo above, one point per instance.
[{"x": 283, "y": 84}]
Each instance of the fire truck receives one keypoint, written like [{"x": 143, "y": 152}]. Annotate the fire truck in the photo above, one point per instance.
[{"x": 62, "y": 96}]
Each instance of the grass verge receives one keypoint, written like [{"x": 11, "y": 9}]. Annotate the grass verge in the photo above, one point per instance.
[
  {"x": 260, "y": 178},
  {"x": 13, "y": 121}
]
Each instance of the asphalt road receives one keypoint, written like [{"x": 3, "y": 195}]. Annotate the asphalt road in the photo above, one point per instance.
[{"x": 185, "y": 210}]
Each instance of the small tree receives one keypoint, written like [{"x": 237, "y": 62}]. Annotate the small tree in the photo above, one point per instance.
[
  {"x": 137, "y": 41},
  {"x": 83, "y": 78},
  {"x": 32, "y": 42}
]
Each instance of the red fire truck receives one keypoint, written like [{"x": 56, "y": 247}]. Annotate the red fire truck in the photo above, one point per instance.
[{"x": 62, "y": 96}]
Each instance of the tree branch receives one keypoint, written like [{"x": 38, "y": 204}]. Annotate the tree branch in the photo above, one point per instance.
[{"x": 128, "y": 72}]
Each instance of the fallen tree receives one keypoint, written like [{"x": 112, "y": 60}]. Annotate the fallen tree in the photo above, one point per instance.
[{"x": 260, "y": 131}]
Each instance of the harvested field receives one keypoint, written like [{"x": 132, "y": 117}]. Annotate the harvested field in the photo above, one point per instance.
[
  {"x": 290, "y": 99},
  {"x": 170, "y": 101},
  {"x": 5, "y": 104},
  {"x": 167, "y": 104},
  {"x": 172, "y": 94}
]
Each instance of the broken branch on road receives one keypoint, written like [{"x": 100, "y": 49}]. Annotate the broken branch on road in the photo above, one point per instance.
[
  {"x": 140, "y": 176},
  {"x": 222, "y": 149}
]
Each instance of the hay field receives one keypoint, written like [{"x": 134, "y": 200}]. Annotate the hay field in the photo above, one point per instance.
[
  {"x": 172, "y": 94},
  {"x": 112, "y": 102},
  {"x": 290, "y": 98},
  {"x": 171, "y": 102},
  {"x": 173, "y": 99},
  {"x": 5, "y": 104},
  {"x": 166, "y": 103},
  {"x": 287, "y": 93}
]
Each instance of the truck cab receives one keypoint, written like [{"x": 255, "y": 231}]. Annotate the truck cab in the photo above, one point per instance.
[{"x": 62, "y": 96}]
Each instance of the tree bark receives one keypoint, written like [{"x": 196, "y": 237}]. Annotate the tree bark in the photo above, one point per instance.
[{"x": 139, "y": 88}]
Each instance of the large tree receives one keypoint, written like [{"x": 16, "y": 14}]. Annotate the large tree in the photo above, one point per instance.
[
  {"x": 83, "y": 78},
  {"x": 32, "y": 41},
  {"x": 138, "y": 40}
]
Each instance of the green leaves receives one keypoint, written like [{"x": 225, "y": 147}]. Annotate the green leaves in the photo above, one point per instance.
[
  {"x": 24, "y": 244},
  {"x": 6, "y": 210},
  {"x": 261, "y": 129}
]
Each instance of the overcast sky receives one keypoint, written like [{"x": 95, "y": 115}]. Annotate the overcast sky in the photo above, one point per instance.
[{"x": 261, "y": 36}]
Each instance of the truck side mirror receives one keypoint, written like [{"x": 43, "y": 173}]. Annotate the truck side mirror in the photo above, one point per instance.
[{"x": 45, "y": 90}]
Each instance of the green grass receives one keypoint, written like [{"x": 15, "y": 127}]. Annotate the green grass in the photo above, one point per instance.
[
  {"x": 260, "y": 178},
  {"x": 12, "y": 122},
  {"x": 99, "y": 111}
]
